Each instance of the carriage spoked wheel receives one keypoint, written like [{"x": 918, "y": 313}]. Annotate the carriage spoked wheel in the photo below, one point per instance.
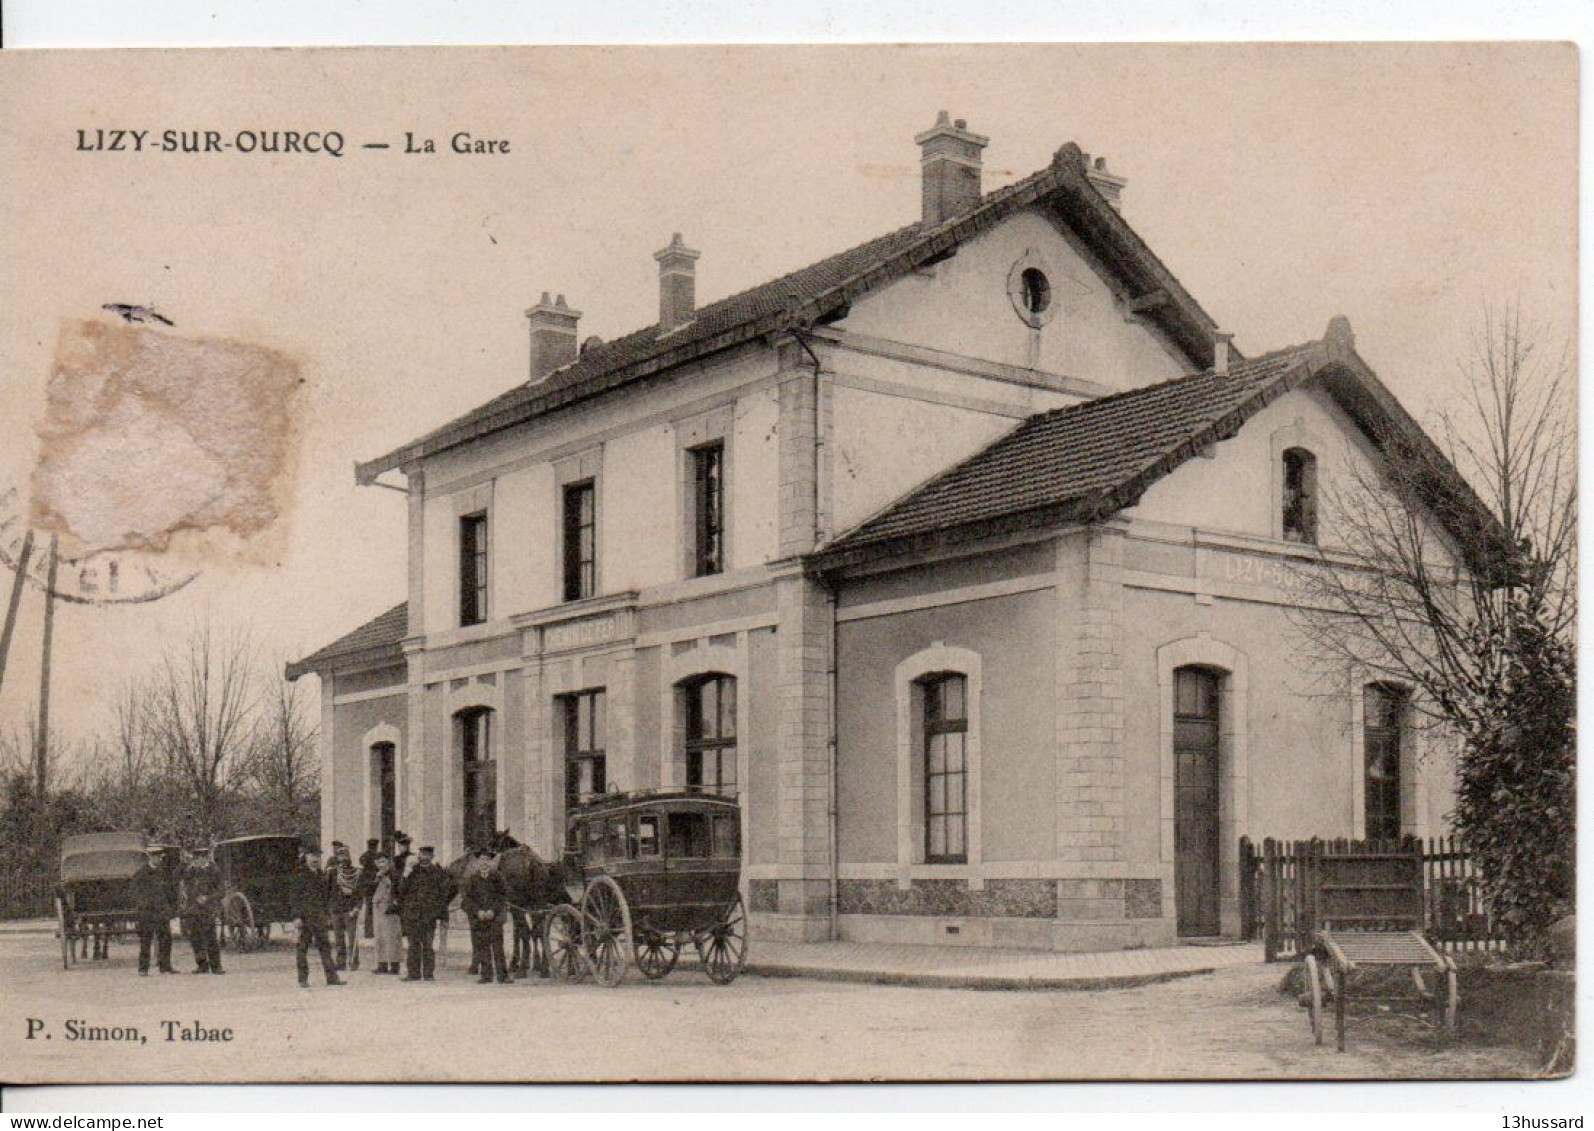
[
  {"x": 66, "y": 933},
  {"x": 561, "y": 944},
  {"x": 723, "y": 948},
  {"x": 1314, "y": 997},
  {"x": 238, "y": 918},
  {"x": 1438, "y": 987},
  {"x": 606, "y": 931},
  {"x": 656, "y": 953}
]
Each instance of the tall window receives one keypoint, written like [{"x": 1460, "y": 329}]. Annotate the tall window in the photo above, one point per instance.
[
  {"x": 708, "y": 509},
  {"x": 480, "y": 772},
  {"x": 386, "y": 773},
  {"x": 710, "y": 706},
  {"x": 946, "y": 772},
  {"x": 473, "y": 568},
  {"x": 1384, "y": 710},
  {"x": 585, "y": 778},
  {"x": 581, "y": 547},
  {"x": 1300, "y": 496}
]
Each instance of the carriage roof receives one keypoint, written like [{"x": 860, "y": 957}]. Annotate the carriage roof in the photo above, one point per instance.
[
  {"x": 259, "y": 837},
  {"x": 101, "y": 856},
  {"x": 655, "y": 800}
]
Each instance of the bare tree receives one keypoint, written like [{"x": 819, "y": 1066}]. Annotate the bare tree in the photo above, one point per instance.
[
  {"x": 201, "y": 706},
  {"x": 1464, "y": 591},
  {"x": 284, "y": 769}
]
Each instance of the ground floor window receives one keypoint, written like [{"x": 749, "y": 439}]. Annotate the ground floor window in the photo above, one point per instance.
[
  {"x": 474, "y": 730},
  {"x": 1384, "y": 710},
  {"x": 709, "y": 704},
  {"x": 946, "y": 725},
  {"x": 583, "y": 717}
]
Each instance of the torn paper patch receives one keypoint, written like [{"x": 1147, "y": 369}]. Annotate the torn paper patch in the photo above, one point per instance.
[{"x": 149, "y": 436}]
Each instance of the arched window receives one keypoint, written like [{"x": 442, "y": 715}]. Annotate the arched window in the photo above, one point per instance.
[
  {"x": 1300, "y": 496},
  {"x": 1383, "y": 720},
  {"x": 946, "y": 768},
  {"x": 709, "y": 704},
  {"x": 473, "y": 730}
]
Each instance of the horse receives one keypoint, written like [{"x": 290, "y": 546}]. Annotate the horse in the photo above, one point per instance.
[{"x": 534, "y": 886}]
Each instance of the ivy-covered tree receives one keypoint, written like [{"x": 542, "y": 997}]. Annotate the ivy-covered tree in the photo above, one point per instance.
[{"x": 1479, "y": 625}]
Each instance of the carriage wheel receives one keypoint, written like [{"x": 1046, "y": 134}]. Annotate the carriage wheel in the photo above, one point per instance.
[
  {"x": 1314, "y": 998},
  {"x": 606, "y": 930},
  {"x": 723, "y": 948},
  {"x": 561, "y": 942},
  {"x": 656, "y": 953},
  {"x": 66, "y": 933},
  {"x": 238, "y": 920}
]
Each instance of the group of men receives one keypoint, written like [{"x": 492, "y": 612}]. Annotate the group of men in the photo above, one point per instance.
[
  {"x": 400, "y": 901},
  {"x": 195, "y": 894}
]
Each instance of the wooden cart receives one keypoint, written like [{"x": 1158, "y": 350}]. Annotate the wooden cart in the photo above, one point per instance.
[
  {"x": 659, "y": 871},
  {"x": 96, "y": 901},
  {"x": 256, "y": 872},
  {"x": 1366, "y": 903}
]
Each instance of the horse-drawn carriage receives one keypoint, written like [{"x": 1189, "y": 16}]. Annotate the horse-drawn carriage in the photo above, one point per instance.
[
  {"x": 96, "y": 901},
  {"x": 255, "y": 874},
  {"x": 657, "y": 871}
]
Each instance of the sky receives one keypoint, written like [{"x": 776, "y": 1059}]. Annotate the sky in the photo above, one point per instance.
[{"x": 1401, "y": 186}]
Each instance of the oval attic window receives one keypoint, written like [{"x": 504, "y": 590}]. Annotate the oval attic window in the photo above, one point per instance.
[{"x": 1035, "y": 291}]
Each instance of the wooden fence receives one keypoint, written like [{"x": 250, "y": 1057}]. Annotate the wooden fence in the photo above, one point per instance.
[{"x": 1278, "y": 891}]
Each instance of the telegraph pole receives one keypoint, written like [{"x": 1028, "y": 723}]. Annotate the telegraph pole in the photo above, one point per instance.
[
  {"x": 41, "y": 753},
  {"x": 16, "y": 599}
]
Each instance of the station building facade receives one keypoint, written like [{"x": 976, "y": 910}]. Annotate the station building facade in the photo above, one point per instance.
[{"x": 967, "y": 559}]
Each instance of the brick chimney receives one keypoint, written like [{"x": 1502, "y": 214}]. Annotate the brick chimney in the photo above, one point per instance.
[
  {"x": 677, "y": 284},
  {"x": 553, "y": 336},
  {"x": 951, "y": 160},
  {"x": 1110, "y": 185}
]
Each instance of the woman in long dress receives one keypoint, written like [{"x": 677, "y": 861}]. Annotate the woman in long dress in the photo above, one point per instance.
[{"x": 384, "y": 908}]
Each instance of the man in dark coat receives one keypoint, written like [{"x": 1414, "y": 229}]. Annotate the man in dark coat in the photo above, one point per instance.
[
  {"x": 201, "y": 907},
  {"x": 307, "y": 903},
  {"x": 424, "y": 896},
  {"x": 345, "y": 894},
  {"x": 368, "y": 882},
  {"x": 401, "y": 854},
  {"x": 152, "y": 895},
  {"x": 485, "y": 903}
]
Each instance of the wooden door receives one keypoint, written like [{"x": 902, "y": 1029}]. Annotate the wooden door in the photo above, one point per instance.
[
  {"x": 1195, "y": 758},
  {"x": 387, "y": 795}
]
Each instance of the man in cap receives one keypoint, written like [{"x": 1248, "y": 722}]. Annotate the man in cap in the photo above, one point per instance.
[
  {"x": 307, "y": 903},
  {"x": 345, "y": 893},
  {"x": 485, "y": 901},
  {"x": 424, "y": 896},
  {"x": 152, "y": 896},
  {"x": 201, "y": 897},
  {"x": 401, "y": 853}
]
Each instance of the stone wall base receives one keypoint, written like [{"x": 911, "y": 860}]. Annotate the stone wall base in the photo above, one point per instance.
[
  {"x": 786, "y": 928},
  {"x": 1026, "y": 934}
]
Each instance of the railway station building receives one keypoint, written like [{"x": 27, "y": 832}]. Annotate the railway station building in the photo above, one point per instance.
[{"x": 965, "y": 558}]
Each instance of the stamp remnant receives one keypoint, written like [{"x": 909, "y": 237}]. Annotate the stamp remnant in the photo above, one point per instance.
[{"x": 151, "y": 437}]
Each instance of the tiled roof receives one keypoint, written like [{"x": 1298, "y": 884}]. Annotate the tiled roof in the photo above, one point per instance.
[
  {"x": 373, "y": 637},
  {"x": 825, "y": 289},
  {"x": 1084, "y": 461}
]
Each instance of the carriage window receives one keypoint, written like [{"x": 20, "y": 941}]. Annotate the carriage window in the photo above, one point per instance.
[
  {"x": 690, "y": 835},
  {"x": 946, "y": 725},
  {"x": 585, "y": 764},
  {"x": 710, "y": 707},
  {"x": 618, "y": 837},
  {"x": 647, "y": 835},
  {"x": 726, "y": 840}
]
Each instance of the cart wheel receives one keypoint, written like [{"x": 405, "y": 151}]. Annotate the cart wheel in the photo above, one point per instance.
[
  {"x": 561, "y": 942},
  {"x": 1452, "y": 995},
  {"x": 66, "y": 933},
  {"x": 606, "y": 930},
  {"x": 656, "y": 953},
  {"x": 723, "y": 948},
  {"x": 1314, "y": 1002},
  {"x": 238, "y": 919}
]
